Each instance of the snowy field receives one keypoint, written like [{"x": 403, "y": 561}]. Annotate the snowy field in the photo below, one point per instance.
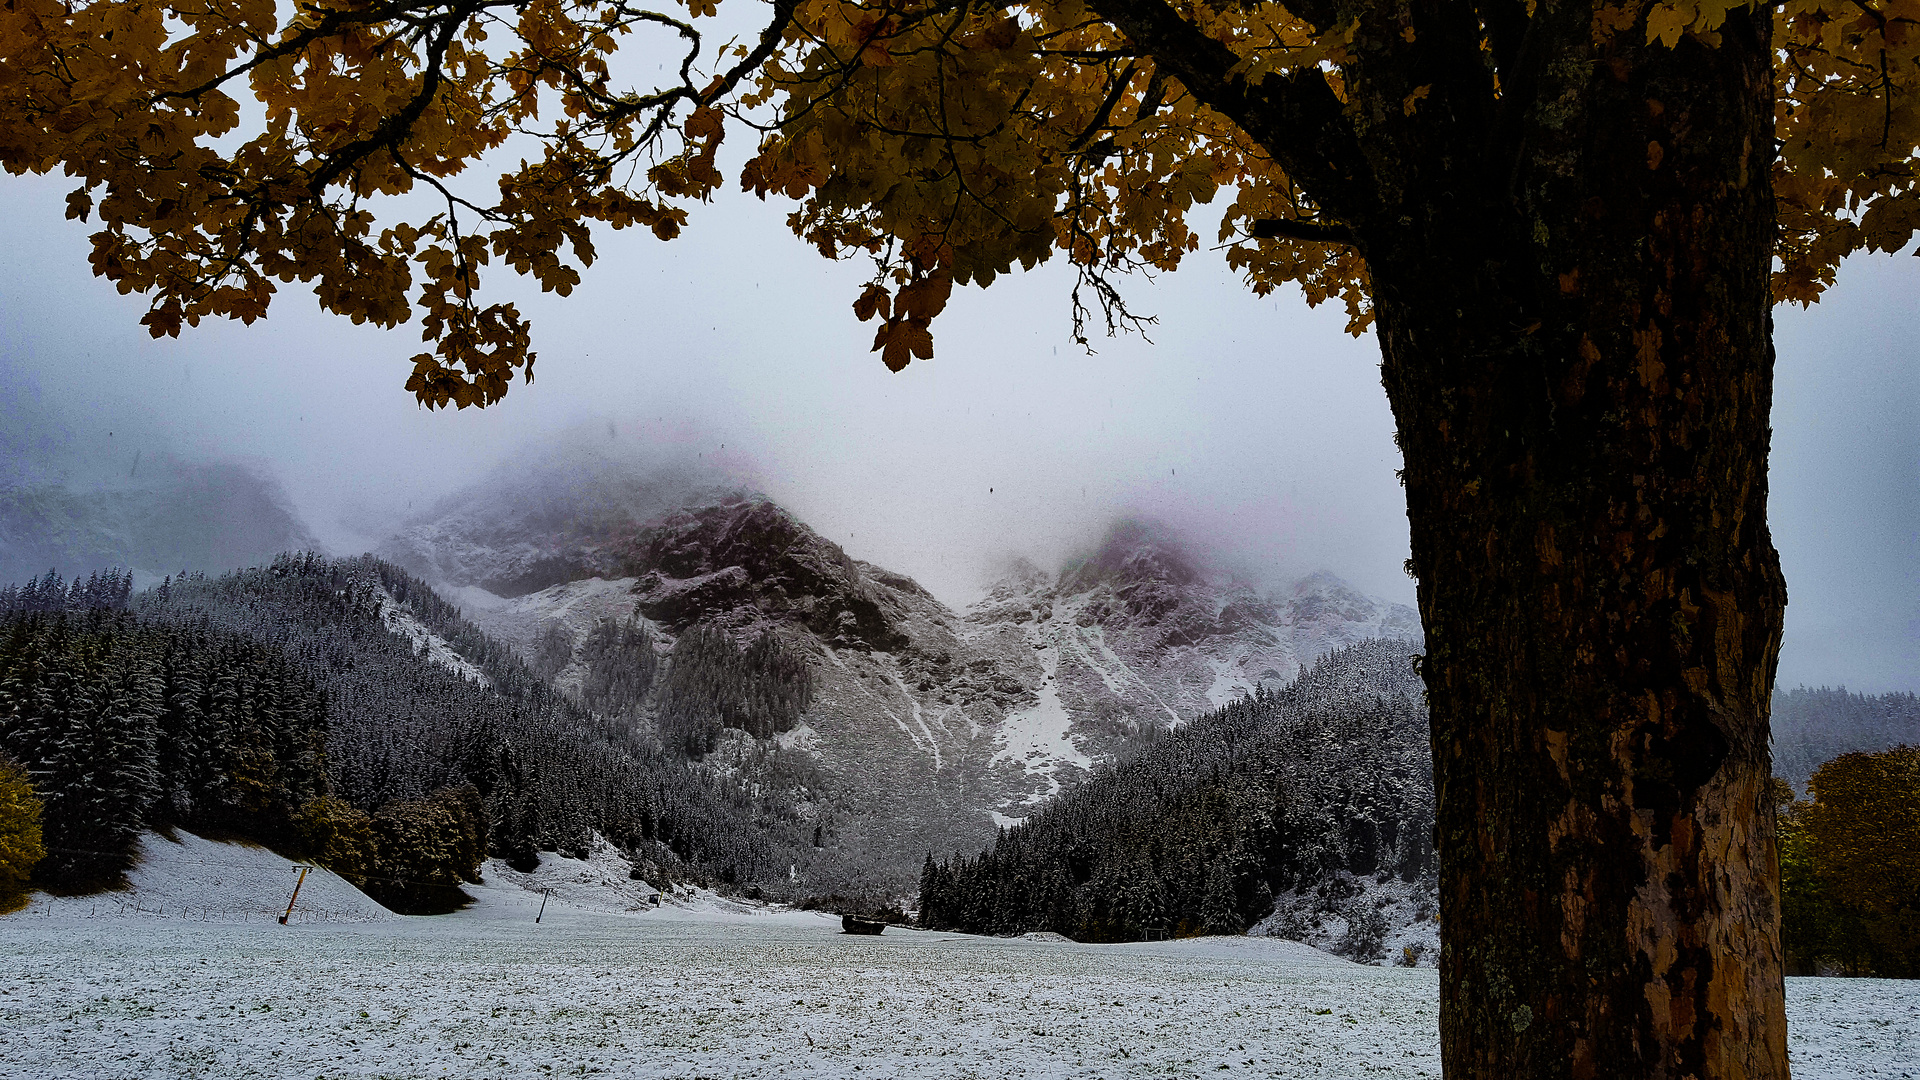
[{"x": 700, "y": 987}]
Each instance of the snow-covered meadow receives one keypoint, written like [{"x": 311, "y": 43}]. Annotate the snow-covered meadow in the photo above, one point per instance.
[{"x": 701, "y": 987}]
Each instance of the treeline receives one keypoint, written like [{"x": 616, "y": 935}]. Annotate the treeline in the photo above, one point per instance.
[
  {"x": 1811, "y": 727},
  {"x": 49, "y": 593},
  {"x": 124, "y": 725},
  {"x": 712, "y": 684},
  {"x": 1281, "y": 790},
  {"x": 548, "y": 773},
  {"x": 1850, "y": 867}
]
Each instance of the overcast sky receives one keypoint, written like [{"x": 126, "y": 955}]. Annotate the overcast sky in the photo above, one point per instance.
[{"x": 1253, "y": 423}]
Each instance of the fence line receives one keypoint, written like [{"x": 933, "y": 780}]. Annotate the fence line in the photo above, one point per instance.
[{"x": 184, "y": 912}]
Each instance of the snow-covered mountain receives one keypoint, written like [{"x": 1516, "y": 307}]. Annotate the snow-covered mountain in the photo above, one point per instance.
[
  {"x": 1141, "y": 628},
  {"x": 934, "y": 725}
]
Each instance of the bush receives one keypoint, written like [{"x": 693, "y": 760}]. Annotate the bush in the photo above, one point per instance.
[
  {"x": 20, "y": 838},
  {"x": 427, "y": 847},
  {"x": 338, "y": 837},
  {"x": 1366, "y": 932}
]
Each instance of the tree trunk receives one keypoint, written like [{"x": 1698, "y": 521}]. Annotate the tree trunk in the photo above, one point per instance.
[{"x": 1579, "y": 358}]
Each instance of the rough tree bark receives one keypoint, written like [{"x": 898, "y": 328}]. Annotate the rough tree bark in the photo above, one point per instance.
[
  {"x": 1571, "y": 282},
  {"x": 1582, "y": 378}
]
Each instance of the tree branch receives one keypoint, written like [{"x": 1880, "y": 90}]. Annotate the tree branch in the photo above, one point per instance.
[
  {"x": 1293, "y": 115},
  {"x": 769, "y": 41},
  {"x": 1105, "y": 112},
  {"x": 394, "y": 129},
  {"x": 1314, "y": 232},
  {"x": 1507, "y": 23}
]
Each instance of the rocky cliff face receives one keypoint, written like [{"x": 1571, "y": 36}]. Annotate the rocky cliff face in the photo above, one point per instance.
[
  {"x": 746, "y": 560},
  {"x": 932, "y": 726},
  {"x": 1141, "y": 635}
]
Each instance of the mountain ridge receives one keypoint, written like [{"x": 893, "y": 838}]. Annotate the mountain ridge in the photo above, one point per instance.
[{"x": 936, "y": 726}]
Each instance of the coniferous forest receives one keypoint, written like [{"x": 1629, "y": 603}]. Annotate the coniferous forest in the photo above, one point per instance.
[
  {"x": 276, "y": 704},
  {"x": 1198, "y": 833},
  {"x": 712, "y": 685},
  {"x": 124, "y": 723}
]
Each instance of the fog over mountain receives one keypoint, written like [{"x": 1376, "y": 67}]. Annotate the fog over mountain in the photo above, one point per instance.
[
  {"x": 77, "y": 497},
  {"x": 1254, "y": 424}
]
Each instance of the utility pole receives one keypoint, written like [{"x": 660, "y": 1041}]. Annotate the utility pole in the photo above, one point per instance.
[{"x": 296, "y": 893}]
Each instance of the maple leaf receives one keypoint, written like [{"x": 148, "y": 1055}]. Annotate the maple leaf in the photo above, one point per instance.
[
  {"x": 925, "y": 298},
  {"x": 899, "y": 340},
  {"x": 873, "y": 301}
]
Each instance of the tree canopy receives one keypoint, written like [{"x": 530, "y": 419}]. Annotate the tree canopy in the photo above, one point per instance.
[
  {"x": 1850, "y": 860},
  {"x": 389, "y": 152}
]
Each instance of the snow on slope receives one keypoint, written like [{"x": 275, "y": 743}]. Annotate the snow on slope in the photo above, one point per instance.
[
  {"x": 184, "y": 878},
  {"x": 1037, "y": 738},
  {"x": 602, "y": 882},
  {"x": 399, "y": 619},
  {"x": 488, "y": 993},
  {"x": 574, "y": 605}
]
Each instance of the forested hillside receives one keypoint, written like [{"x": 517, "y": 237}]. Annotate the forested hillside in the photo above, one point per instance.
[
  {"x": 1278, "y": 793},
  {"x": 549, "y": 770},
  {"x": 280, "y": 703},
  {"x": 1812, "y": 727},
  {"x": 124, "y": 723}
]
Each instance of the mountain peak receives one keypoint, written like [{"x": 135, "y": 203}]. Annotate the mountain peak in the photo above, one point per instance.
[
  {"x": 549, "y": 515},
  {"x": 1134, "y": 551},
  {"x": 745, "y": 557}
]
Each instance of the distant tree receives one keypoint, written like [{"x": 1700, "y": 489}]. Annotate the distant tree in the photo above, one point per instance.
[
  {"x": 1808, "y": 920},
  {"x": 1366, "y": 930},
  {"x": 21, "y": 846},
  {"x": 425, "y": 848},
  {"x": 516, "y": 835},
  {"x": 338, "y": 836},
  {"x": 1219, "y": 907}
]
